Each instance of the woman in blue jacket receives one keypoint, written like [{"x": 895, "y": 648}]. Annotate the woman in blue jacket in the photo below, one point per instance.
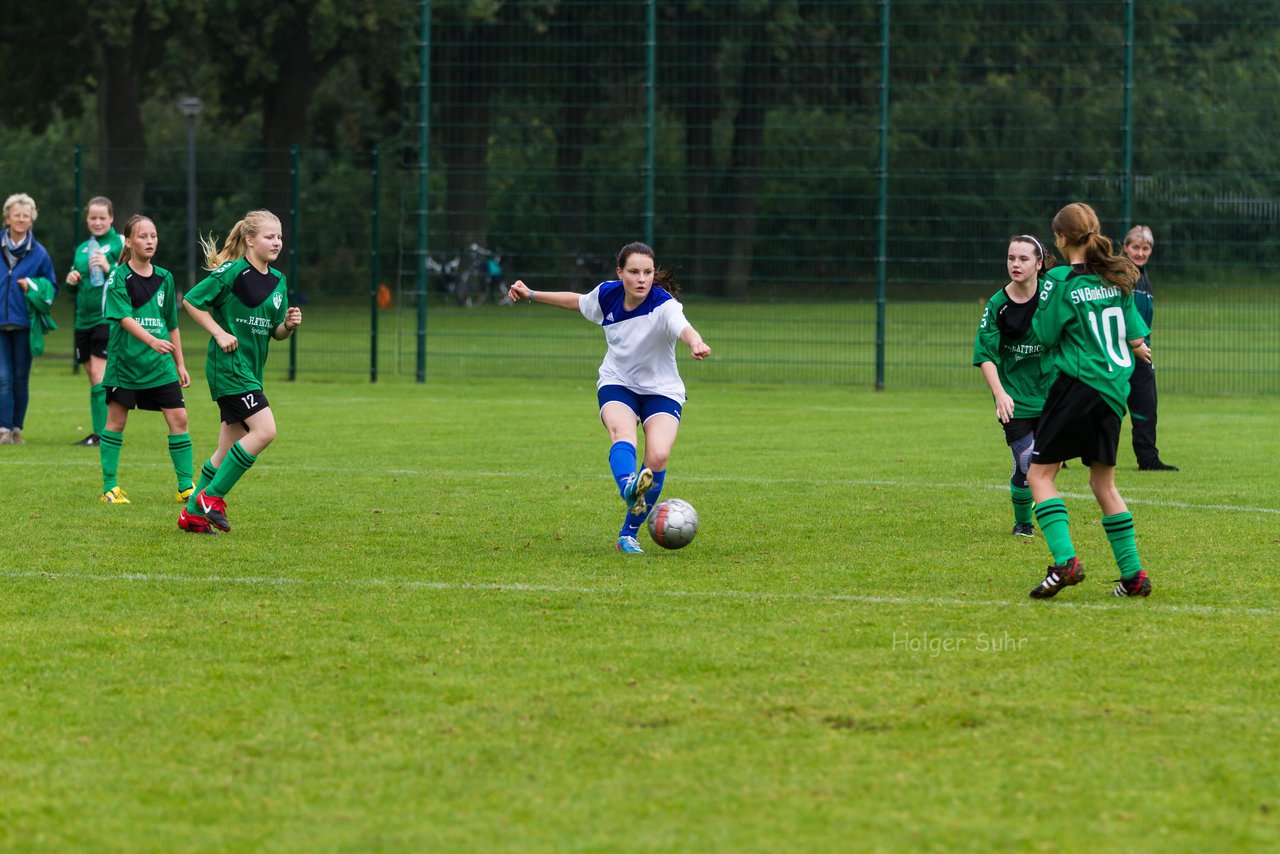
[{"x": 27, "y": 288}]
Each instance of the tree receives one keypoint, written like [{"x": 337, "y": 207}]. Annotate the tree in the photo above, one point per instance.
[
  {"x": 726, "y": 74},
  {"x": 277, "y": 64},
  {"x": 463, "y": 82},
  {"x": 114, "y": 51}
]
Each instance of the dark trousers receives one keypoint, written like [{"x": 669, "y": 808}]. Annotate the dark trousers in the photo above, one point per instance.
[
  {"x": 15, "y": 376},
  {"x": 1142, "y": 411}
]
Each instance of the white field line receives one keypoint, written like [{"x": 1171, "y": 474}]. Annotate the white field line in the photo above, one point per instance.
[
  {"x": 819, "y": 481},
  {"x": 558, "y": 590},
  {"x": 763, "y": 481}
]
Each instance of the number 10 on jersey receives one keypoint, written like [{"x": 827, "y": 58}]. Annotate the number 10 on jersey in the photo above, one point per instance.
[{"x": 1110, "y": 335}]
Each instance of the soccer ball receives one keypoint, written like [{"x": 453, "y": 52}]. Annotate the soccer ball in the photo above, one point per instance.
[{"x": 673, "y": 523}]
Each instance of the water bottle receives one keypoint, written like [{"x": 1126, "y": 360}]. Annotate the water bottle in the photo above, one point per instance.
[{"x": 96, "y": 276}]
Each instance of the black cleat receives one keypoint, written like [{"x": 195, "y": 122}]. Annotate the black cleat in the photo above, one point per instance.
[
  {"x": 1158, "y": 465},
  {"x": 1057, "y": 577},
  {"x": 1137, "y": 585},
  {"x": 89, "y": 441},
  {"x": 1024, "y": 529}
]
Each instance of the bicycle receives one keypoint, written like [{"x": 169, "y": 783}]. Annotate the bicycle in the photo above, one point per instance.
[
  {"x": 588, "y": 270},
  {"x": 446, "y": 274},
  {"x": 482, "y": 280}
]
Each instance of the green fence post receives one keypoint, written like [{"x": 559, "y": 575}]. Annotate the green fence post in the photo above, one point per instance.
[
  {"x": 293, "y": 253},
  {"x": 650, "y": 98},
  {"x": 1128, "y": 115},
  {"x": 374, "y": 271},
  {"x": 424, "y": 123},
  {"x": 75, "y": 216},
  {"x": 882, "y": 207}
]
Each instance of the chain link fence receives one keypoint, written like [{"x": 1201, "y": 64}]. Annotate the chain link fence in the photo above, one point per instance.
[{"x": 835, "y": 183}]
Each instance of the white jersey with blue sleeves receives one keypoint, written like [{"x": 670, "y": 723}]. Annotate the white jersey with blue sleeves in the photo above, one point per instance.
[{"x": 642, "y": 351}]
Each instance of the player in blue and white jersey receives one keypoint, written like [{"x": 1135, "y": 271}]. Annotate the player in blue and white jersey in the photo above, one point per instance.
[{"x": 639, "y": 383}]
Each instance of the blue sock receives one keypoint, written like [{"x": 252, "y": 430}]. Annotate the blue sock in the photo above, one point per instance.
[
  {"x": 631, "y": 524},
  {"x": 622, "y": 462},
  {"x": 651, "y": 497}
]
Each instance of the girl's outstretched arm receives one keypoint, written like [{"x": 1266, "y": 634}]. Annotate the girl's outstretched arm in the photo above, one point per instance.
[
  {"x": 520, "y": 292},
  {"x": 697, "y": 347}
]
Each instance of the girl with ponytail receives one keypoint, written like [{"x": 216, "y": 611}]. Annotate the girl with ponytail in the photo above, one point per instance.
[
  {"x": 639, "y": 385},
  {"x": 90, "y": 268},
  {"x": 144, "y": 368},
  {"x": 243, "y": 304},
  {"x": 1092, "y": 334}
]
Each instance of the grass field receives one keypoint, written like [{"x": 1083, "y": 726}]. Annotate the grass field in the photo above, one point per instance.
[
  {"x": 1207, "y": 345},
  {"x": 1208, "y": 341},
  {"x": 416, "y": 637}
]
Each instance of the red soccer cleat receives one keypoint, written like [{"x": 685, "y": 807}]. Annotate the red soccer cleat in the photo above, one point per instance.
[
  {"x": 193, "y": 524},
  {"x": 214, "y": 509}
]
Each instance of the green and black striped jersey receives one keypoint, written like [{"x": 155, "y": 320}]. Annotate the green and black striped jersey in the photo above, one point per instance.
[
  {"x": 249, "y": 305},
  {"x": 152, "y": 303},
  {"x": 1023, "y": 373},
  {"x": 1085, "y": 325},
  {"x": 90, "y": 301}
]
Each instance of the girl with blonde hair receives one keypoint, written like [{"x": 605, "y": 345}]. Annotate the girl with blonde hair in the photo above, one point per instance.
[{"x": 243, "y": 304}]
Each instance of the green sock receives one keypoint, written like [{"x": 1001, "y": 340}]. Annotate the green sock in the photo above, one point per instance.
[
  {"x": 109, "y": 453},
  {"x": 98, "y": 407},
  {"x": 1052, "y": 516},
  {"x": 180, "y": 453},
  {"x": 207, "y": 471},
  {"x": 1119, "y": 530},
  {"x": 238, "y": 462},
  {"x": 1022, "y": 503}
]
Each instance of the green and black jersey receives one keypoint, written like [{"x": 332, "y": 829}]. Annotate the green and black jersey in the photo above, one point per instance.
[
  {"x": 1085, "y": 325},
  {"x": 1005, "y": 339},
  {"x": 91, "y": 302},
  {"x": 249, "y": 305},
  {"x": 152, "y": 302}
]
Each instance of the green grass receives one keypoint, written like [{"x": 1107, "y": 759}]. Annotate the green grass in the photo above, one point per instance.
[
  {"x": 1202, "y": 346},
  {"x": 417, "y": 637},
  {"x": 1213, "y": 342}
]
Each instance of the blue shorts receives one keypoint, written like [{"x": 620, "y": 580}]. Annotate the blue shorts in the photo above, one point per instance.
[{"x": 643, "y": 405}]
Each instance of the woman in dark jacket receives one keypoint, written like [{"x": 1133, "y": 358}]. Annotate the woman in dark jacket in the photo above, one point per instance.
[{"x": 27, "y": 288}]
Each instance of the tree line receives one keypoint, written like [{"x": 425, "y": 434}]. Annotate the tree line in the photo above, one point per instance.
[{"x": 766, "y": 123}]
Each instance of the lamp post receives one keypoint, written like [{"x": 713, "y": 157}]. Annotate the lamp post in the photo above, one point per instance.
[{"x": 191, "y": 108}]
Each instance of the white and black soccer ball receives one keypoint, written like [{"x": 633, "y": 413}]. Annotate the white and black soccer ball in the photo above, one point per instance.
[{"x": 673, "y": 523}]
